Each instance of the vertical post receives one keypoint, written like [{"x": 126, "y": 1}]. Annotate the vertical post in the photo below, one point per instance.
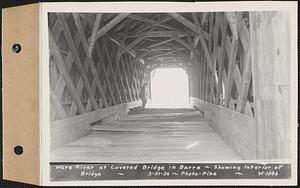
[{"x": 270, "y": 36}]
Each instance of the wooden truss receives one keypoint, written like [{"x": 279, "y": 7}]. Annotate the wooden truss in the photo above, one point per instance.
[
  {"x": 225, "y": 76},
  {"x": 83, "y": 80},
  {"x": 101, "y": 60}
]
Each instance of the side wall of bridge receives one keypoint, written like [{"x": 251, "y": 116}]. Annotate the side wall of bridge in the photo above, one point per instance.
[
  {"x": 239, "y": 81},
  {"x": 87, "y": 87}
]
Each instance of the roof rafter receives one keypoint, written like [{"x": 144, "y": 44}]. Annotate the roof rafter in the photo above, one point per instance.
[
  {"x": 158, "y": 22},
  {"x": 147, "y": 20},
  {"x": 132, "y": 53},
  {"x": 189, "y": 24},
  {"x": 111, "y": 24},
  {"x": 185, "y": 44},
  {"x": 157, "y": 34}
]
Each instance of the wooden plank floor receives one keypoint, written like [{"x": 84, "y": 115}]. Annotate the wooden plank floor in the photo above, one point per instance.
[{"x": 151, "y": 135}]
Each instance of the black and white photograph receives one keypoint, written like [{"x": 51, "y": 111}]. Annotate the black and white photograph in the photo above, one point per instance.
[{"x": 170, "y": 95}]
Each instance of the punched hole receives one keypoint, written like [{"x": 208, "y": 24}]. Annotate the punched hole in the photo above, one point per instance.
[
  {"x": 16, "y": 48},
  {"x": 18, "y": 150}
]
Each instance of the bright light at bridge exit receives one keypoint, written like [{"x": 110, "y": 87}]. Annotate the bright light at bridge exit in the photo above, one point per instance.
[{"x": 169, "y": 88}]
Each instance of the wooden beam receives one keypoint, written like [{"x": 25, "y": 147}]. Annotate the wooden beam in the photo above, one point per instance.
[
  {"x": 126, "y": 79},
  {"x": 204, "y": 16},
  {"x": 215, "y": 49},
  {"x": 59, "y": 109},
  {"x": 112, "y": 69},
  {"x": 189, "y": 25},
  {"x": 223, "y": 26},
  {"x": 147, "y": 20},
  {"x": 164, "y": 59},
  {"x": 94, "y": 32},
  {"x": 163, "y": 54},
  {"x": 56, "y": 29},
  {"x": 185, "y": 44},
  {"x": 206, "y": 51},
  {"x": 132, "y": 73},
  {"x": 77, "y": 60},
  {"x": 122, "y": 25},
  {"x": 105, "y": 72},
  {"x": 136, "y": 78},
  {"x": 158, "y": 22},
  {"x": 64, "y": 71},
  {"x": 244, "y": 34},
  {"x": 61, "y": 84},
  {"x": 158, "y": 34},
  {"x": 184, "y": 21},
  {"x": 101, "y": 64},
  {"x": 89, "y": 59},
  {"x": 168, "y": 56},
  {"x": 119, "y": 75},
  {"x": 232, "y": 21},
  {"x": 197, "y": 37},
  {"x": 232, "y": 61},
  {"x": 162, "y": 48},
  {"x": 160, "y": 43},
  {"x": 132, "y": 44},
  {"x": 203, "y": 68},
  {"x": 245, "y": 83},
  {"x": 129, "y": 76},
  {"x": 111, "y": 24},
  {"x": 132, "y": 53}
]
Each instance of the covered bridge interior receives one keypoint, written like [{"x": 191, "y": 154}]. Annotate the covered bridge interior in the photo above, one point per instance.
[{"x": 238, "y": 75}]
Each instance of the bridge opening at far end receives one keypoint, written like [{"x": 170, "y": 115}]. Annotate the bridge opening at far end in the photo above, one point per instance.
[{"x": 169, "y": 88}]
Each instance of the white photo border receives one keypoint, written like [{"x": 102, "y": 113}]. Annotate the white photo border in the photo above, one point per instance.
[{"x": 109, "y": 7}]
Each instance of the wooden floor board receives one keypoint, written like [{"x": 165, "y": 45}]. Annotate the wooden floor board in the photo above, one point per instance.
[{"x": 151, "y": 135}]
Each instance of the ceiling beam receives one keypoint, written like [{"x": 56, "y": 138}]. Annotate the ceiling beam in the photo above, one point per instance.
[
  {"x": 169, "y": 61},
  {"x": 156, "y": 34},
  {"x": 185, "y": 44},
  {"x": 160, "y": 43},
  {"x": 111, "y": 24},
  {"x": 177, "y": 56},
  {"x": 184, "y": 21},
  {"x": 133, "y": 43},
  {"x": 189, "y": 24},
  {"x": 131, "y": 52},
  {"x": 158, "y": 22},
  {"x": 162, "y": 48},
  {"x": 154, "y": 49},
  {"x": 147, "y": 20},
  {"x": 200, "y": 31},
  {"x": 162, "y": 54}
]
